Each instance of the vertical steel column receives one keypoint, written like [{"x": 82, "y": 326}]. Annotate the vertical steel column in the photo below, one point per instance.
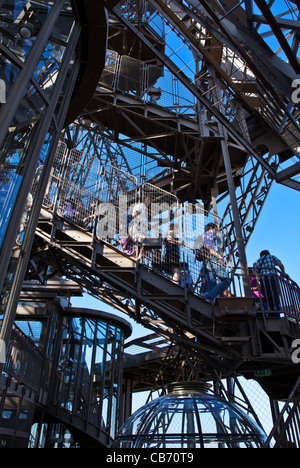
[
  {"x": 236, "y": 217},
  {"x": 9, "y": 314},
  {"x": 13, "y": 100},
  {"x": 6, "y": 117},
  {"x": 232, "y": 194}
]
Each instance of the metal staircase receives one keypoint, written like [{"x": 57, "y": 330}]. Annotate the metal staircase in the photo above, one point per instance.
[
  {"x": 232, "y": 95},
  {"x": 229, "y": 100},
  {"x": 193, "y": 109},
  {"x": 227, "y": 334}
]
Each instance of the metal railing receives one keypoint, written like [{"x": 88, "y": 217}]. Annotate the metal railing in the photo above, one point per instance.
[
  {"x": 148, "y": 83},
  {"x": 24, "y": 361},
  {"x": 152, "y": 226},
  {"x": 276, "y": 295},
  {"x": 144, "y": 221}
]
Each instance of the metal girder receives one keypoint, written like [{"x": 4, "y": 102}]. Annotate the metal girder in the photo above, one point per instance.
[
  {"x": 281, "y": 23},
  {"x": 232, "y": 29},
  {"x": 224, "y": 35},
  {"x": 131, "y": 109},
  {"x": 274, "y": 76},
  {"x": 276, "y": 28},
  {"x": 161, "y": 313},
  {"x": 193, "y": 89}
]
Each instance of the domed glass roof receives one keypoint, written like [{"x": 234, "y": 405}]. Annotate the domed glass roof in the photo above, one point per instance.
[{"x": 189, "y": 418}]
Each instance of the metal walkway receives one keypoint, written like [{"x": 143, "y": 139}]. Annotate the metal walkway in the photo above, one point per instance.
[
  {"x": 238, "y": 105},
  {"x": 227, "y": 336}
]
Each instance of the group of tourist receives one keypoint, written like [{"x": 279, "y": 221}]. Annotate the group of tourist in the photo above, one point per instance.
[
  {"x": 213, "y": 279},
  {"x": 264, "y": 282}
]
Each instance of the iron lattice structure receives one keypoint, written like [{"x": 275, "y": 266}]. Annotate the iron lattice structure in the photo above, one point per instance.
[
  {"x": 196, "y": 101},
  {"x": 222, "y": 73},
  {"x": 186, "y": 83}
]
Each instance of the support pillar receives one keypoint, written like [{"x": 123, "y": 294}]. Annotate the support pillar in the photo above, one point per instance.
[{"x": 236, "y": 218}]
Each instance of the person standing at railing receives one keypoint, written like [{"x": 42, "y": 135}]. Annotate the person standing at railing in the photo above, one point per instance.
[
  {"x": 213, "y": 265},
  {"x": 265, "y": 267},
  {"x": 171, "y": 261}
]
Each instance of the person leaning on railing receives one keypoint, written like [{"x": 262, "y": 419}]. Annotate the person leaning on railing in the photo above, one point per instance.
[
  {"x": 213, "y": 265},
  {"x": 265, "y": 267}
]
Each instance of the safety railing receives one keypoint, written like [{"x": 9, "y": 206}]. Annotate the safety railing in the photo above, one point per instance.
[
  {"x": 143, "y": 221},
  {"x": 24, "y": 361},
  {"x": 155, "y": 229},
  {"x": 275, "y": 295},
  {"x": 148, "y": 83}
]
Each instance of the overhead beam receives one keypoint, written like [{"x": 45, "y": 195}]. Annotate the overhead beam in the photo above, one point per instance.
[
  {"x": 279, "y": 34},
  {"x": 187, "y": 83},
  {"x": 282, "y": 23},
  {"x": 288, "y": 172}
]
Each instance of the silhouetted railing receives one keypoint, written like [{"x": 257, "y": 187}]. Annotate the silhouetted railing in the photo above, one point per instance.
[
  {"x": 24, "y": 361},
  {"x": 276, "y": 295}
]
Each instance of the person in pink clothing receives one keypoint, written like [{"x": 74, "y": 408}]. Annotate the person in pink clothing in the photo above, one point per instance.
[{"x": 255, "y": 290}]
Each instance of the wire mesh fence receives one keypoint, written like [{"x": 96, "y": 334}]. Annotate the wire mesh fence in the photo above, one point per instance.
[
  {"x": 180, "y": 241},
  {"x": 143, "y": 221}
]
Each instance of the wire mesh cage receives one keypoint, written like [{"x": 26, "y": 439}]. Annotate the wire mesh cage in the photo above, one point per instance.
[
  {"x": 142, "y": 220},
  {"x": 74, "y": 187},
  {"x": 131, "y": 76}
]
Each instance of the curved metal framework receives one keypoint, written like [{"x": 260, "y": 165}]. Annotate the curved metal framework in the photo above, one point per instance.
[
  {"x": 188, "y": 418},
  {"x": 196, "y": 105}
]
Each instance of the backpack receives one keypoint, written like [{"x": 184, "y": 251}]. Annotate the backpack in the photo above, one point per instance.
[{"x": 202, "y": 254}]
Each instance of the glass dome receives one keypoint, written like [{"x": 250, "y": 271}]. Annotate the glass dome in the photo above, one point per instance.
[{"x": 188, "y": 417}]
